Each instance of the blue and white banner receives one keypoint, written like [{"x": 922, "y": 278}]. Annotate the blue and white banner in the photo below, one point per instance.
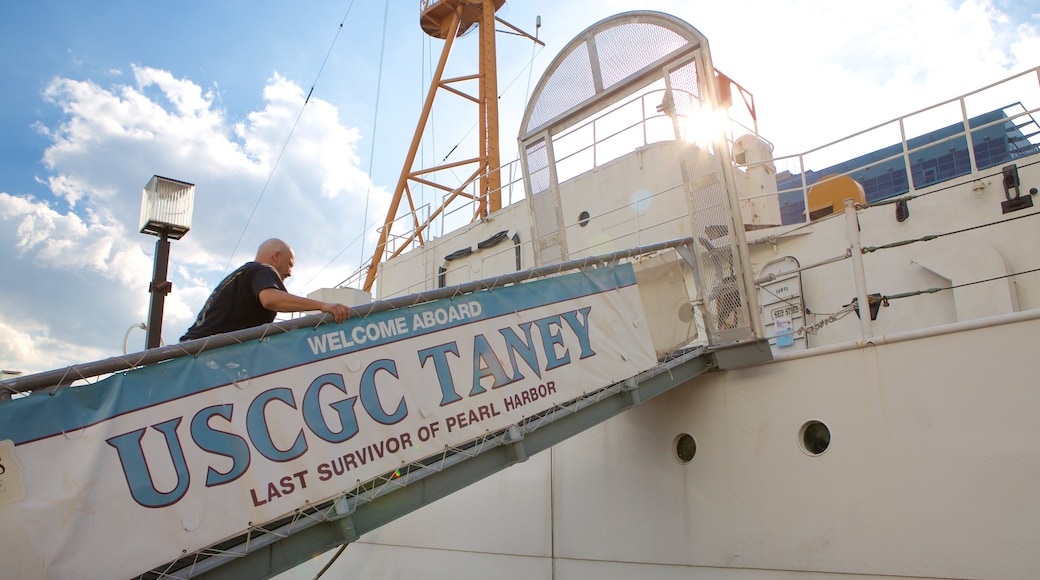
[{"x": 113, "y": 479}]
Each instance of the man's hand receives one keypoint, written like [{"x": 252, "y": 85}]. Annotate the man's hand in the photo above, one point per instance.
[
  {"x": 281, "y": 301},
  {"x": 339, "y": 312}
]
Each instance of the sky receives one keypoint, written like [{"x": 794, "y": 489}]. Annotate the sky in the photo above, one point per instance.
[{"x": 96, "y": 98}]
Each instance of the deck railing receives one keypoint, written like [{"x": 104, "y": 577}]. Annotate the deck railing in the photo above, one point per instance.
[{"x": 979, "y": 130}]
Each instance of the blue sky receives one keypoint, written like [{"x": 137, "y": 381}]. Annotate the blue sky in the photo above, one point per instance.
[{"x": 95, "y": 98}]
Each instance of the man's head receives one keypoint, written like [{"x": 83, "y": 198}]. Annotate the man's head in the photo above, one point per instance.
[{"x": 277, "y": 254}]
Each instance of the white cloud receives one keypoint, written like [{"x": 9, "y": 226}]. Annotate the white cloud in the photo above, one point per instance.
[
  {"x": 107, "y": 145},
  {"x": 68, "y": 241},
  {"x": 28, "y": 347}
]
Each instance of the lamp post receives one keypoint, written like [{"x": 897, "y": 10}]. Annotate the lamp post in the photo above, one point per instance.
[{"x": 166, "y": 208}]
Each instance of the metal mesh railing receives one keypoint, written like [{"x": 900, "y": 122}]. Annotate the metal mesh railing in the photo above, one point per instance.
[{"x": 725, "y": 301}]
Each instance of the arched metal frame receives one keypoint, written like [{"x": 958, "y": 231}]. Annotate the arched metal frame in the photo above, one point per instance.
[
  {"x": 589, "y": 75},
  {"x": 607, "y": 63}
]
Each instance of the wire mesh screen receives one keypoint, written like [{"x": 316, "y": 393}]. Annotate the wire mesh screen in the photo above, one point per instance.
[
  {"x": 571, "y": 84},
  {"x": 601, "y": 59},
  {"x": 625, "y": 49},
  {"x": 545, "y": 210},
  {"x": 727, "y": 317}
]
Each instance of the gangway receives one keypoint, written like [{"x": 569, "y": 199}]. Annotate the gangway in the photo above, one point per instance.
[
  {"x": 398, "y": 493},
  {"x": 243, "y": 455}
]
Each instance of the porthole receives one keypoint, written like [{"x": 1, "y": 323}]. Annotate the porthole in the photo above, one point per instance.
[
  {"x": 815, "y": 437},
  {"x": 583, "y": 218},
  {"x": 685, "y": 448}
]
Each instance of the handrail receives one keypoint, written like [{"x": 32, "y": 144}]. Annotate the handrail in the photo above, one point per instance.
[{"x": 54, "y": 379}]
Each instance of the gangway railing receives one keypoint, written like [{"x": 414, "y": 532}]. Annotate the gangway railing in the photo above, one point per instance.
[{"x": 48, "y": 381}]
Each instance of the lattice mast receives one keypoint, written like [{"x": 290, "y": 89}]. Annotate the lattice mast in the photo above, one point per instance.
[{"x": 447, "y": 20}]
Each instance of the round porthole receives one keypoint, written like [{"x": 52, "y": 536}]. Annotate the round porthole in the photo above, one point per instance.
[
  {"x": 815, "y": 437},
  {"x": 685, "y": 448},
  {"x": 583, "y": 218}
]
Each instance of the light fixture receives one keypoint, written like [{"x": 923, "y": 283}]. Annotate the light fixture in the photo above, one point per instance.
[{"x": 166, "y": 208}]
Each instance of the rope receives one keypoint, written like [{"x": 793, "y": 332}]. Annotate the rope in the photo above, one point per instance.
[
  {"x": 413, "y": 472},
  {"x": 338, "y": 552}
]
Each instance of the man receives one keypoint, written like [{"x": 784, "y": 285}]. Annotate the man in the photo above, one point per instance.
[{"x": 253, "y": 294}]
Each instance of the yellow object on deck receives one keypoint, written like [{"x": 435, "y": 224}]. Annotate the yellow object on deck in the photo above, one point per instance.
[{"x": 829, "y": 194}]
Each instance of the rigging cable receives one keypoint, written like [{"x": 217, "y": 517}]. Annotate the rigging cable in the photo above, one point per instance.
[
  {"x": 930, "y": 237},
  {"x": 368, "y": 196},
  {"x": 762, "y": 280},
  {"x": 888, "y": 297},
  {"x": 530, "y": 64},
  {"x": 375, "y": 124},
  {"x": 288, "y": 138},
  {"x": 371, "y": 161},
  {"x": 528, "y": 67},
  {"x": 431, "y": 144}
]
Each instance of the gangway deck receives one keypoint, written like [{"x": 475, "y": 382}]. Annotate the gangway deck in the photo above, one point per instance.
[{"x": 245, "y": 454}]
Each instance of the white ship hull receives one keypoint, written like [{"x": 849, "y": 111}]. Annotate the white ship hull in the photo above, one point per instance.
[{"x": 931, "y": 473}]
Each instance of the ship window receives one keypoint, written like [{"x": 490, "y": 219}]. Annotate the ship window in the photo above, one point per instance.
[
  {"x": 815, "y": 437},
  {"x": 685, "y": 448}
]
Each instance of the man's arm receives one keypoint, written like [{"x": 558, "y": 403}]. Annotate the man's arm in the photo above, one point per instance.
[{"x": 280, "y": 301}]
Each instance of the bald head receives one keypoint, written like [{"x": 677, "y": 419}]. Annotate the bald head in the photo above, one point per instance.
[{"x": 278, "y": 254}]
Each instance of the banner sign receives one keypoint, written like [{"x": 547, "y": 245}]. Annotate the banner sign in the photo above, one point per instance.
[{"x": 113, "y": 479}]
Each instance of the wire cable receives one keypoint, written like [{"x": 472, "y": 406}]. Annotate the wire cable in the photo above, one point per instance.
[
  {"x": 375, "y": 125},
  {"x": 930, "y": 237},
  {"x": 371, "y": 163},
  {"x": 375, "y": 222},
  {"x": 888, "y": 297},
  {"x": 528, "y": 67},
  {"x": 288, "y": 138}
]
